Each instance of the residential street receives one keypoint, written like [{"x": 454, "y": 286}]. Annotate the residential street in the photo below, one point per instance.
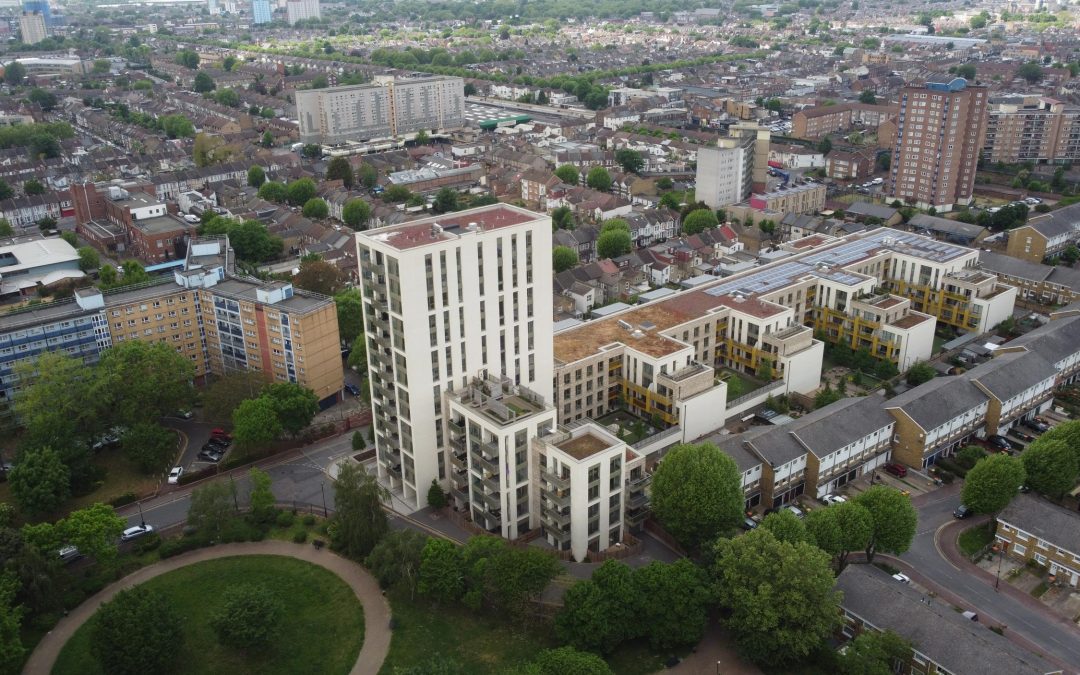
[{"x": 1036, "y": 625}]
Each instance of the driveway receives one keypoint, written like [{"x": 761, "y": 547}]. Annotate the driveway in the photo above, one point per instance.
[{"x": 197, "y": 433}]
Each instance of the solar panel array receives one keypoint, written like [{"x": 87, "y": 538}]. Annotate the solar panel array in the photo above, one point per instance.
[{"x": 824, "y": 263}]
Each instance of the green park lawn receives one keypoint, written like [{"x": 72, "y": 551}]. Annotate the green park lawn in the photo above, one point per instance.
[
  {"x": 322, "y": 632},
  {"x": 480, "y": 644},
  {"x": 975, "y": 539}
]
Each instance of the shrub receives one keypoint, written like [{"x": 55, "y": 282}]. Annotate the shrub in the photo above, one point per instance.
[
  {"x": 239, "y": 529},
  {"x": 174, "y": 547},
  {"x": 124, "y": 499},
  {"x": 357, "y": 441},
  {"x": 300, "y": 537},
  {"x": 285, "y": 519},
  {"x": 147, "y": 543},
  {"x": 309, "y": 520}
]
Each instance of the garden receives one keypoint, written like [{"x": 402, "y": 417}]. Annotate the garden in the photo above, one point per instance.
[{"x": 297, "y": 600}]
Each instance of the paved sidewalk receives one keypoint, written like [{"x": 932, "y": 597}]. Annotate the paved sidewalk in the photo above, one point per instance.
[
  {"x": 715, "y": 655},
  {"x": 376, "y": 609}
]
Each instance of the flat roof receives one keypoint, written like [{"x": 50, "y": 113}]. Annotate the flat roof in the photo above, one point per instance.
[
  {"x": 160, "y": 224},
  {"x": 584, "y": 445},
  {"x": 741, "y": 292},
  {"x": 450, "y": 226},
  {"x": 241, "y": 289}
]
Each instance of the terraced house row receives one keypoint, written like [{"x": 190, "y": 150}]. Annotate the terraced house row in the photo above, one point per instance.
[
  {"x": 820, "y": 452},
  {"x": 222, "y": 323}
]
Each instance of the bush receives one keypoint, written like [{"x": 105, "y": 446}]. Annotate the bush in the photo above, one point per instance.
[
  {"x": 174, "y": 547},
  {"x": 197, "y": 475},
  {"x": 946, "y": 476},
  {"x": 309, "y": 520},
  {"x": 300, "y": 537},
  {"x": 285, "y": 519},
  {"x": 147, "y": 543},
  {"x": 239, "y": 529},
  {"x": 358, "y": 441},
  {"x": 952, "y": 467},
  {"x": 124, "y": 499}
]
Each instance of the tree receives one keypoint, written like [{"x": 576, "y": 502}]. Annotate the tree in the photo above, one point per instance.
[
  {"x": 992, "y": 483},
  {"x": 227, "y": 97},
  {"x": 867, "y": 96},
  {"x": 517, "y": 576},
  {"x": 356, "y": 213},
  {"x": 6, "y": 230},
  {"x": 893, "y": 520},
  {"x": 11, "y": 647},
  {"x": 262, "y": 499},
  {"x": 368, "y": 175},
  {"x": 631, "y": 161},
  {"x": 350, "y": 310},
  {"x": 600, "y": 613},
  {"x": 699, "y": 221},
  {"x": 446, "y": 201},
  {"x": 779, "y": 596},
  {"x": 255, "y": 423},
  {"x": 228, "y": 63},
  {"x": 300, "y": 191},
  {"x": 40, "y": 481},
  {"x": 252, "y": 242},
  {"x": 358, "y": 356},
  {"x": 840, "y": 529},
  {"x": 966, "y": 71},
  {"x": 256, "y": 177},
  {"x": 613, "y": 244},
  {"x": 919, "y": 373},
  {"x": 569, "y": 174},
  {"x": 396, "y": 193},
  {"x": 674, "y": 603},
  {"x": 359, "y": 521},
  {"x": 786, "y": 526},
  {"x": 295, "y": 404},
  {"x": 316, "y": 208},
  {"x": 318, "y": 276},
  {"x": 339, "y": 169},
  {"x": 697, "y": 494},
  {"x": 567, "y": 661},
  {"x": 94, "y": 530},
  {"x": 826, "y": 396},
  {"x": 598, "y": 178},
  {"x": 188, "y": 59},
  {"x": 250, "y": 616},
  {"x": 874, "y": 653},
  {"x": 1030, "y": 71},
  {"x": 88, "y": 258},
  {"x": 442, "y": 571},
  {"x": 212, "y": 508},
  {"x": 226, "y": 392},
  {"x": 210, "y": 150},
  {"x": 422, "y": 137},
  {"x": 150, "y": 446},
  {"x": 273, "y": 191},
  {"x": 1051, "y": 467},
  {"x": 436, "y": 497},
  {"x": 33, "y": 187},
  {"x": 563, "y": 258},
  {"x": 177, "y": 126},
  {"x": 143, "y": 380},
  {"x": 825, "y": 146},
  {"x": 395, "y": 561},
  {"x": 203, "y": 83},
  {"x": 14, "y": 73},
  {"x": 267, "y": 140},
  {"x": 562, "y": 218},
  {"x": 107, "y": 275},
  {"x": 136, "y": 632}
]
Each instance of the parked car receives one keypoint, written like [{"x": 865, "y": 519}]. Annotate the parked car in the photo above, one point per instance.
[
  {"x": 1036, "y": 425},
  {"x": 220, "y": 443},
  {"x": 1021, "y": 435},
  {"x": 749, "y": 524},
  {"x": 998, "y": 442},
  {"x": 962, "y": 512},
  {"x": 174, "y": 475},
  {"x": 184, "y": 414},
  {"x": 796, "y": 510},
  {"x": 68, "y": 554},
  {"x": 211, "y": 453},
  {"x": 834, "y": 499},
  {"x": 898, "y": 470},
  {"x": 352, "y": 389},
  {"x": 220, "y": 434},
  {"x": 902, "y": 578},
  {"x": 136, "y": 531}
]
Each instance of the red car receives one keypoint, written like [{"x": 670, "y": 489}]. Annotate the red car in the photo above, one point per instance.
[
  {"x": 898, "y": 470},
  {"x": 220, "y": 434}
]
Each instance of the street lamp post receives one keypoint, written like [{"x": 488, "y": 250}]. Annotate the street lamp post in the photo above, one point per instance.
[
  {"x": 1001, "y": 556},
  {"x": 142, "y": 518},
  {"x": 322, "y": 488}
]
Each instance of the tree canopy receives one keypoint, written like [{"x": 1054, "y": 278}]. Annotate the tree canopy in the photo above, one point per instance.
[
  {"x": 697, "y": 494},
  {"x": 563, "y": 258},
  {"x": 893, "y": 518},
  {"x": 568, "y": 173},
  {"x": 136, "y": 632},
  {"x": 356, "y": 213},
  {"x": 359, "y": 521},
  {"x": 992, "y": 483},
  {"x": 598, "y": 178},
  {"x": 698, "y": 221},
  {"x": 613, "y": 243},
  {"x": 1051, "y": 467}
]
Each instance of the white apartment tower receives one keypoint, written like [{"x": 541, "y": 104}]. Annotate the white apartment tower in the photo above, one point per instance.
[
  {"x": 32, "y": 25},
  {"x": 727, "y": 173},
  {"x": 457, "y": 310},
  {"x": 298, "y": 10},
  {"x": 387, "y": 108}
]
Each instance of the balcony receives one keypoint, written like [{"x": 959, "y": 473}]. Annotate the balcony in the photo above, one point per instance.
[
  {"x": 458, "y": 460},
  {"x": 460, "y": 495},
  {"x": 558, "y": 482},
  {"x": 639, "y": 482},
  {"x": 637, "y": 517},
  {"x": 560, "y": 500},
  {"x": 558, "y": 519},
  {"x": 488, "y": 465},
  {"x": 557, "y": 533},
  {"x": 637, "y": 500}
]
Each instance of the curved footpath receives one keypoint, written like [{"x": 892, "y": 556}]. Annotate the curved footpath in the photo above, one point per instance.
[{"x": 376, "y": 609}]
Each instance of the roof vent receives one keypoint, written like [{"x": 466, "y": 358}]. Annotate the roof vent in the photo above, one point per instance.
[
  {"x": 625, "y": 325},
  {"x": 637, "y": 334}
]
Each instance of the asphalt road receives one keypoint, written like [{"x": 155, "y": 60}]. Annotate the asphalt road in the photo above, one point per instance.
[{"x": 1037, "y": 627}]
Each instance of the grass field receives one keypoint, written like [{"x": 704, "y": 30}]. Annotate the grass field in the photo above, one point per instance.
[
  {"x": 322, "y": 632},
  {"x": 975, "y": 539},
  {"x": 481, "y": 644}
]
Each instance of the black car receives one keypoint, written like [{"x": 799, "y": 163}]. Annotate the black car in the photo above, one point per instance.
[
  {"x": 220, "y": 443},
  {"x": 962, "y": 512},
  {"x": 1036, "y": 425},
  {"x": 999, "y": 442},
  {"x": 1021, "y": 435},
  {"x": 352, "y": 389}
]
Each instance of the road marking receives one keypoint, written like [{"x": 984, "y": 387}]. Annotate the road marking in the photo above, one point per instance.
[{"x": 937, "y": 547}]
